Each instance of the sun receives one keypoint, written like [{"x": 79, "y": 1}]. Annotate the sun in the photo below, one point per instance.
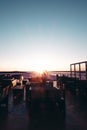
[
  {"x": 39, "y": 65},
  {"x": 39, "y": 68},
  {"x": 41, "y": 62}
]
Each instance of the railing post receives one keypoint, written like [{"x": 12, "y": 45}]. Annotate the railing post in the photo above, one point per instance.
[
  {"x": 71, "y": 71},
  {"x": 79, "y": 71},
  {"x": 86, "y": 70},
  {"x": 75, "y": 70}
]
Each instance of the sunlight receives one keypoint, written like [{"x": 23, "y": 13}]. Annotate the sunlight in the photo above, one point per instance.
[
  {"x": 39, "y": 70},
  {"x": 40, "y": 65}
]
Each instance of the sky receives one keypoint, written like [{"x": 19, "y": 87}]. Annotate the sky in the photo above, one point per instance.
[{"x": 42, "y": 34}]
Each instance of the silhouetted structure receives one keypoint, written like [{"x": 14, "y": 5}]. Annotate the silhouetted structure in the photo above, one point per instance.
[{"x": 79, "y": 70}]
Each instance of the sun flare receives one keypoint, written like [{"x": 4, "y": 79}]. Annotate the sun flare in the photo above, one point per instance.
[
  {"x": 39, "y": 68},
  {"x": 40, "y": 65}
]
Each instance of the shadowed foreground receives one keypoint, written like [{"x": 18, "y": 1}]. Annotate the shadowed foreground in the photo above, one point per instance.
[{"x": 19, "y": 117}]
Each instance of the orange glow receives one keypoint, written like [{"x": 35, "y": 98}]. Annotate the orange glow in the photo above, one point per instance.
[
  {"x": 40, "y": 64},
  {"x": 39, "y": 70}
]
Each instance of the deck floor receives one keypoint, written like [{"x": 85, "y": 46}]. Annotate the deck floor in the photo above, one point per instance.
[{"x": 19, "y": 118}]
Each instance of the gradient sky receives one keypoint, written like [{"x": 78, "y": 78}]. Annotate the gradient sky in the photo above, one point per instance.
[{"x": 42, "y": 34}]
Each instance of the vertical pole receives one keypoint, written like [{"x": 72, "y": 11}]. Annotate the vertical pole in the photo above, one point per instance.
[
  {"x": 75, "y": 70},
  {"x": 71, "y": 71},
  {"x": 86, "y": 70},
  {"x": 79, "y": 71}
]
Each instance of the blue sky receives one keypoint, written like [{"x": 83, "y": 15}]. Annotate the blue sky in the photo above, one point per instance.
[{"x": 42, "y": 34}]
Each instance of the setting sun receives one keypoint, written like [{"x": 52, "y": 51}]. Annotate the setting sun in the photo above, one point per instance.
[{"x": 39, "y": 65}]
